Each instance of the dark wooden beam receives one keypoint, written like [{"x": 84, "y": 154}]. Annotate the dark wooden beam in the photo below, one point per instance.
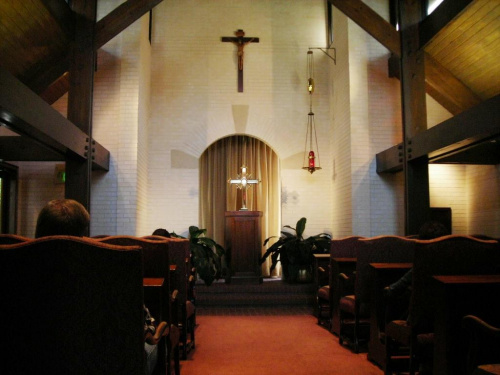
[
  {"x": 416, "y": 175},
  {"x": 437, "y": 20},
  {"x": 106, "y": 29},
  {"x": 55, "y": 70},
  {"x": 119, "y": 19},
  {"x": 442, "y": 85},
  {"x": 40, "y": 121},
  {"x": 62, "y": 14},
  {"x": 468, "y": 128},
  {"x": 56, "y": 89},
  {"x": 452, "y": 140},
  {"x": 390, "y": 160},
  {"x": 371, "y": 22},
  {"x": 18, "y": 148},
  {"x": 446, "y": 89},
  {"x": 80, "y": 98}
]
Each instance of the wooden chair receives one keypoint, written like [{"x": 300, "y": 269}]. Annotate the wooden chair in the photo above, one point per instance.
[
  {"x": 74, "y": 307},
  {"x": 355, "y": 309},
  {"x": 448, "y": 255},
  {"x": 156, "y": 264}
]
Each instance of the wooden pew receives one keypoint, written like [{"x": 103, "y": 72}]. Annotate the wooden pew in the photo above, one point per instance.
[
  {"x": 384, "y": 274},
  {"x": 355, "y": 310},
  {"x": 321, "y": 272},
  {"x": 180, "y": 255},
  {"x": 183, "y": 282},
  {"x": 342, "y": 261},
  {"x": 456, "y": 297},
  {"x": 7, "y": 239},
  {"x": 157, "y": 276},
  {"x": 448, "y": 255},
  {"x": 74, "y": 307}
]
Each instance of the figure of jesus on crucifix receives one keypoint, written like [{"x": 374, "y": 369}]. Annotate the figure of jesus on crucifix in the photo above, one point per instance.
[
  {"x": 240, "y": 42},
  {"x": 243, "y": 182}
]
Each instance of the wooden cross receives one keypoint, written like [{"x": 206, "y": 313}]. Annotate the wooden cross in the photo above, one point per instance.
[
  {"x": 243, "y": 182},
  {"x": 241, "y": 42}
]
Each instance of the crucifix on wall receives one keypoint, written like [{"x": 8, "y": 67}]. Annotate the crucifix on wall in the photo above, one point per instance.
[
  {"x": 243, "y": 182},
  {"x": 240, "y": 42}
]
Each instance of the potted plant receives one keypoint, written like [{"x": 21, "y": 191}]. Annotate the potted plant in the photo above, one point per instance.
[
  {"x": 294, "y": 251},
  {"x": 205, "y": 255}
]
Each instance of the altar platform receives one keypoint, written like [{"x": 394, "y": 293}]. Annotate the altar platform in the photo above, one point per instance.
[{"x": 272, "y": 292}]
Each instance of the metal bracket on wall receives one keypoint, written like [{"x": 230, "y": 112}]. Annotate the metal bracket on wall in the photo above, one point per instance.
[{"x": 324, "y": 50}]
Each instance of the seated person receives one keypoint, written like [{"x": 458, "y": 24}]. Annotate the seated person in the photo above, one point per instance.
[
  {"x": 162, "y": 232},
  {"x": 62, "y": 217}
]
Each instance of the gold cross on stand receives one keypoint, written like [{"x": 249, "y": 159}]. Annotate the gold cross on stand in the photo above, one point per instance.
[{"x": 243, "y": 182}]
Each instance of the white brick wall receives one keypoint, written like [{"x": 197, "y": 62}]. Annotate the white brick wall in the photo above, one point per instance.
[{"x": 36, "y": 188}]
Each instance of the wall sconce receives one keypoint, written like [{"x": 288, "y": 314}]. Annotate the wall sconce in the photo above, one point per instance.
[{"x": 311, "y": 153}]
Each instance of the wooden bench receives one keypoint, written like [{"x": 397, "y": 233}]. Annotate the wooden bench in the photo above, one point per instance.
[
  {"x": 157, "y": 292},
  {"x": 448, "y": 255},
  {"x": 355, "y": 309},
  {"x": 342, "y": 261},
  {"x": 75, "y": 306}
]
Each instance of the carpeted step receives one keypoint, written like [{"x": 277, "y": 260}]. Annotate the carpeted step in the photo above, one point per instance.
[{"x": 270, "y": 293}]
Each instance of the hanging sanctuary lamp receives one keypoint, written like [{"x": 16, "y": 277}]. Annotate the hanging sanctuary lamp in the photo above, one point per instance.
[{"x": 311, "y": 152}]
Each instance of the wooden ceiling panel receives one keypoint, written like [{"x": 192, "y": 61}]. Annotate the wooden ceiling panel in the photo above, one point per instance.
[
  {"x": 30, "y": 38},
  {"x": 472, "y": 57}
]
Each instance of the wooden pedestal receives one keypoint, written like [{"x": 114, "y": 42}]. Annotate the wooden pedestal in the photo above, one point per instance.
[{"x": 243, "y": 244}]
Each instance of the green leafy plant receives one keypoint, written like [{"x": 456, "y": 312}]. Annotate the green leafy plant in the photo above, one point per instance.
[
  {"x": 206, "y": 255},
  {"x": 294, "y": 251}
]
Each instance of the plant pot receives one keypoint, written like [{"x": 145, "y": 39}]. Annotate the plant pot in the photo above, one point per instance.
[{"x": 294, "y": 273}]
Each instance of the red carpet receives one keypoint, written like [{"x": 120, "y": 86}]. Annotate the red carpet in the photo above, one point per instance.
[{"x": 270, "y": 345}]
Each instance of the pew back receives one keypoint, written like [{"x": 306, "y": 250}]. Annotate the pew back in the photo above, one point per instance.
[
  {"x": 74, "y": 306},
  {"x": 156, "y": 264},
  {"x": 448, "y": 255},
  {"x": 380, "y": 249},
  {"x": 7, "y": 239}
]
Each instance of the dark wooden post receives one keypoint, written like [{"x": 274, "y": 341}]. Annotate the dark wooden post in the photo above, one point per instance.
[
  {"x": 81, "y": 73},
  {"x": 416, "y": 171}
]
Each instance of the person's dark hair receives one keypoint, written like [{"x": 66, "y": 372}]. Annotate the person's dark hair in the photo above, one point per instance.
[
  {"x": 432, "y": 229},
  {"x": 161, "y": 232},
  {"x": 62, "y": 217}
]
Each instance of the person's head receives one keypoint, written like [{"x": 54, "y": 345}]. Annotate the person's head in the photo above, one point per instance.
[
  {"x": 62, "y": 217},
  {"x": 161, "y": 232},
  {"x": 432, "y": 229}
]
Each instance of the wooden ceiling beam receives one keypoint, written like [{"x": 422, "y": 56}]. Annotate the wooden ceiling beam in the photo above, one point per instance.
[
  {"x": 119, "y": 19},
  {"x": 437, "y": 20},
  {"x": 442, "y": 85},
  {"x": 463, "y": 130},
  {"x": 55, "y": 70},
  {"x": 371, "y": 22},
  {"x": 456, "y": 135},
  {"x": 63, "y": 15},
  {"x": 40, "y": 121},
  {"x": 106, "y": 29},
  {"x": 447, "y": 89}
]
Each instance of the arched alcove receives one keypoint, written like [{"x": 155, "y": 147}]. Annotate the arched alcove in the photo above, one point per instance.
[{"x": 223, "y": 160}]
